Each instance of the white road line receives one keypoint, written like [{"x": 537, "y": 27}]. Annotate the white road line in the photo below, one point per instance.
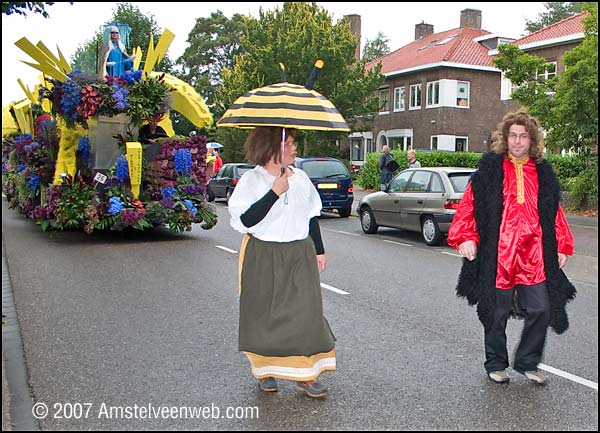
[
  {"x": 347, "y": 233},
  {"x": 397, "y": 243},
  {"x": 451, "y": 254},
  {"x": 569, "y": 376},
  {"x": 333, "y": 289},
  {"x": 226, "y": 249}
]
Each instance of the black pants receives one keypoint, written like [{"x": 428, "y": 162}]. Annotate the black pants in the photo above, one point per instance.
[{"x": 532, "y": 302}]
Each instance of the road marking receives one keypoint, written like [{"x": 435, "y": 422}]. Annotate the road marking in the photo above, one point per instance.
[
  {"x": 333, "y": 289},
  {"x": 569, "y": 376},
  {"x": 226, "y": 249},
  {"x": 397, "y": 243},
  {"x": 451, "y": 254},
  {"x": 347, "y": 233}
]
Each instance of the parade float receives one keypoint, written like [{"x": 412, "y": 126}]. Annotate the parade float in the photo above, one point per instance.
[{"x": 97, "y": 151}]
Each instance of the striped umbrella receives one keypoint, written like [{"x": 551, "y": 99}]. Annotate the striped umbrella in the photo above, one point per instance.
[{"x": 284, "y": 105}]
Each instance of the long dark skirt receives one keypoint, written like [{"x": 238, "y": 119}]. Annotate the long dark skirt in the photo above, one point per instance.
[{"x": 282, "y": 328}]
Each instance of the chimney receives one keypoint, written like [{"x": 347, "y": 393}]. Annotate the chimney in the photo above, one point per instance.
[
  {"x": 422, "y": 30},
  {"x": 470, "y": 18},
  {"x": 354, "y": 21}
]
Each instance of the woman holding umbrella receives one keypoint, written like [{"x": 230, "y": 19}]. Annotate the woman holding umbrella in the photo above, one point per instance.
[{"x": 282, "y": 329}]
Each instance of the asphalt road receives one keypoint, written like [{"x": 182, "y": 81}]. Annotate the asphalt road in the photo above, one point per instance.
[{"x": 118, "y": 324}]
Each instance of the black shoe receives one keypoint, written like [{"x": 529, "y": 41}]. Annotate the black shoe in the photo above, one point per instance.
[
  {"x": 268, "y": 384},
  {"x": 314, "y": 390}
]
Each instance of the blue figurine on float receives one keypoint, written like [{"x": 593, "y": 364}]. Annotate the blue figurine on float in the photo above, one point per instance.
[{"x": 116, "y": 61}]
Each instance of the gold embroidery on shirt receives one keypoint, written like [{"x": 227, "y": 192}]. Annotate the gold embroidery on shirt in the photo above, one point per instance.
[{"x": 520, "y": 184}]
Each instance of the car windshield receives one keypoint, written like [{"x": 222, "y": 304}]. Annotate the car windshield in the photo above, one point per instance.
[
  {"x": 459, "y": 180},
  {"x": 325, "y": 169}
]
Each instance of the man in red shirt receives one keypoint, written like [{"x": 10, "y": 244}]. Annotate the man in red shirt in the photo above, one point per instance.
[{"x": 515, "y": 240}]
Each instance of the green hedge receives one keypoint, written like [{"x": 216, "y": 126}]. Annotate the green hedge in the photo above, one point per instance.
[{"x": 573, "y": 173}]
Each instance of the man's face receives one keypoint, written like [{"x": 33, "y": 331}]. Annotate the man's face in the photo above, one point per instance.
[{"x": 519, "y": 141}]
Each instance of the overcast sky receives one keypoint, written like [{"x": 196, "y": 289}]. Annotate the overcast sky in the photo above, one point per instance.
[{"x": 69, "y": 26}]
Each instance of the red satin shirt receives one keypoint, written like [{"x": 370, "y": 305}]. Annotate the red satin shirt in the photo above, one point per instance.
[{"x": 520, "y": 250}]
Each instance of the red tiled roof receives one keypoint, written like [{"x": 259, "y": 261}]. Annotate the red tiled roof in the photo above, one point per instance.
[
  {"x": 566, "y": 27},
  {"x": 461, "y": 49}
]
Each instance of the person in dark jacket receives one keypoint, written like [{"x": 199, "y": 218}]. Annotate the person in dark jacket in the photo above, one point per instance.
[
  {"x": 386, "y": 157},
  {"x": 515, "y": 239}
]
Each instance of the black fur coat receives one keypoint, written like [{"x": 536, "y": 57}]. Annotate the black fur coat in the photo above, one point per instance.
[{"x": 477, "y": 279}]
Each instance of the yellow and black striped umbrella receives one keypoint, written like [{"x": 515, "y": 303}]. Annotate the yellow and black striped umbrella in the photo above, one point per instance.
[{"x": 284, "y": 105}]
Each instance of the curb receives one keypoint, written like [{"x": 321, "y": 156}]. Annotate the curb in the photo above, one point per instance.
[{"x": 17, "y": 403}]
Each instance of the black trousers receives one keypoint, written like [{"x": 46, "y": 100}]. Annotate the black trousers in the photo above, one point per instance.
[{"x": 533, "y": 304}]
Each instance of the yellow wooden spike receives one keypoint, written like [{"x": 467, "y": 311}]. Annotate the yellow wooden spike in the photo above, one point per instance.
[
  {"x": 63, "y": 62},
  {"x": 43, "y": 48},
  {"x": 156, "y": 54},
  {"x": 24, "y": 116},
  {"x": 54, "y": 73},
  {"x": 138, "y": 58},
  {"x": 26, "y": 90},
  {"x": 150, "y": 56}
]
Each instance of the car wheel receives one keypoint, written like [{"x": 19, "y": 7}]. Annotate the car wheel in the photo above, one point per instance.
[
  {"x": 431, "y": 232},
  {"x": 345, "y": 212},
  {"x": 210, "y": 196},
  {"x": 367, "y": 221},
  {"x": 228, "y": 194}
]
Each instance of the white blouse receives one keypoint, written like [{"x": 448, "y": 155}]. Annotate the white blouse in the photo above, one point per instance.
[{"x": 284, "y": 222}]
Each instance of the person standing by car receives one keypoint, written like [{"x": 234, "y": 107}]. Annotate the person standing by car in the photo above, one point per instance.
[
  {"x": 282, "y": 330},
  {"x": 515, "y": 239},
  {"x": 411, "y": 155},
  {"x": 384, "y": 160}
]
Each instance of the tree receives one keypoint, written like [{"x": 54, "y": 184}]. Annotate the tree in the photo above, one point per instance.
[
  {"x": 556, "y": 11},
  {"x": 297, "y": 35},
  {"x": 21, "y": 8},
  {"x": 142, "y": 26},
  {"x": 213, "y": 44},
  {"x": 376, "y": 48},
  {"x": 566, "y": 105}
]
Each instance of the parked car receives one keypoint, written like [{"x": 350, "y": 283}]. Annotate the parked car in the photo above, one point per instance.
[
  {"x": 417, "y": 199},
  {"x": 332, "y": 180},
  {"x": 222, "y": 184}
]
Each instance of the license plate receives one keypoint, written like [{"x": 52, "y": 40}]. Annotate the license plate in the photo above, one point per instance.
[{"x": 327, "y": 186}]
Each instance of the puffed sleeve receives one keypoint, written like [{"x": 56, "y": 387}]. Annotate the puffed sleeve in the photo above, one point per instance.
[
  {"x": 244, "y": 196},
  {"x": 464, "y": 227},
  {"x": 564, "y": 237}
]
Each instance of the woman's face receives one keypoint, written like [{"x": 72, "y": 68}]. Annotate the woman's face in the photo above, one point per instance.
[{"x": 291, "y": 147}]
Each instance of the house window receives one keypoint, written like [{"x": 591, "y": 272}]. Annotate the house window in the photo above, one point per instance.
[
  {"x": 549, "y": 72},
  {"x": 434, "y": 143},
  {"x": 370, "y": 145},
  {"x": 462, "y": 94},
  {"x": 415, "y": 96},
  {"x": 399, "y": 96},
  {"x": 384, "y": 101},
  {"x": 433, "y": 93},
  {"x": 461, "y": 144}
]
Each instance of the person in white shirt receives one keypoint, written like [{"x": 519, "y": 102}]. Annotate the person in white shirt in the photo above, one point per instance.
[
  {"x": 282, "y": 328},
  {"x": 411, "y": 155}
]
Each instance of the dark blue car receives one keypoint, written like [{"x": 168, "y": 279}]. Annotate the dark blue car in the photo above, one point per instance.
[{"x": 332, "y": 180}]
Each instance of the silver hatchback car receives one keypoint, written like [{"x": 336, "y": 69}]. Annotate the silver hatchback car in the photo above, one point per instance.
[{"x": 417, "y": 199}]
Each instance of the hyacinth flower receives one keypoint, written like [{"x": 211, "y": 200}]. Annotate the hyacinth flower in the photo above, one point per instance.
[
  {"x": 122, "y": 170},
  {"x": 115, "y": 206},
  {"x": 83, "y": 148},
  {"x": 183, "y": 162},
  {"x": 34, "y": 182},
  {"x": 190, "y": 206}
]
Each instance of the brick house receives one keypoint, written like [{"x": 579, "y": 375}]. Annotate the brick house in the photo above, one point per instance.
[{"x": 442, "y": 91}]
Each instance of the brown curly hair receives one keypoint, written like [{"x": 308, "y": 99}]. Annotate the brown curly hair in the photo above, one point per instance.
[
  {"x": 264, "y": 144},
  {"x": 533, "y": 127}
]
